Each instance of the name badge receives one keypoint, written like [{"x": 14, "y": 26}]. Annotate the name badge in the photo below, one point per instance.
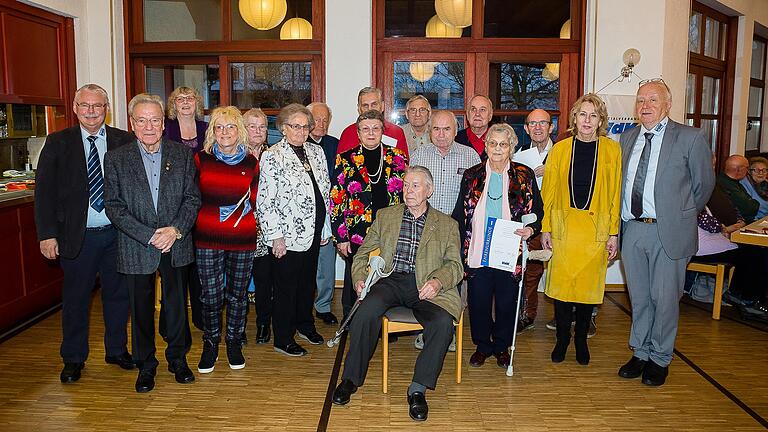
[
  {"x": 460, "y": 171},
  {"x": 388, "y": 141}
]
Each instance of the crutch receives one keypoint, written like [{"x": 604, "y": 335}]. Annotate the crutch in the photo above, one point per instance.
[
  {"x": 526, "y": 219},
  {"x": 376, "y": 272}
]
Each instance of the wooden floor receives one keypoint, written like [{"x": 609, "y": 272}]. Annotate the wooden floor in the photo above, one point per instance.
[{"x": 718, "y": 382}]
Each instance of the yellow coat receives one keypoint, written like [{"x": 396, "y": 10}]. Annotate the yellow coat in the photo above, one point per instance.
[{"x": 576, "y": 272}]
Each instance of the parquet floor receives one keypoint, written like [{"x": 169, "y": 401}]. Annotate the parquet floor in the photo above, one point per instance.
[{"x": 718, "y": 382}]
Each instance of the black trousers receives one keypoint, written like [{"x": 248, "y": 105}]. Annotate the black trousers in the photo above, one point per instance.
[
  {"x": 263, "y": 281},
  {"x": 564, "y": 314},
  {"x": 485, "y": 286},
  {"x": 142, "y": 293},
  {"x": 398, "y": 290},
  {"x": 348, "y": 293},
  {"x": 749, "y": 277},
  {"x": 98, "y": 255},
  {"x": 294, "y": 293},
  {"x": 193, "y": 290}
]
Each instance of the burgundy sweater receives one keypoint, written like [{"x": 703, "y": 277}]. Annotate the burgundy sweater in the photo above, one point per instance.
[{"x": 222, "y": 185}]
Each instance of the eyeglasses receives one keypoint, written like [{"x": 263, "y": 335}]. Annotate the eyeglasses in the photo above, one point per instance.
[
  {"x": 494, "y": 144},
  {"x": 142, "y": 122},
  {"x": 229, "y": 127},
  {"x": 367, "y": 130},
  {"x": 254, "y": 127},
  {"x": 189, "y": 98},
  {"x": 759, "y": 170},
  {"x": 421, "y": 111},
  {"x": 297, "y": 127},
  {"x": 542, "y": 123},
  {"x": 86, "y": 106},
  {"x": 651, "y": 80}
]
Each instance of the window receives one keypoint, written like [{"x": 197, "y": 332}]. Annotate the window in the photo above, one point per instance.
[
  {"x": 207, "y": 45},
  {"x": 756, "y": 96},
  {"x": 709, "y": 87},
  {"x": 522, "y": 60}
]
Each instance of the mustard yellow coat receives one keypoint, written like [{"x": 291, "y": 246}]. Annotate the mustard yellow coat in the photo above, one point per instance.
[{"x": 576, "y": 272}]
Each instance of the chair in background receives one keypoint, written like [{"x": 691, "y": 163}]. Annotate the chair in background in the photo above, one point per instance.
[{"x": 719, "y": 271}]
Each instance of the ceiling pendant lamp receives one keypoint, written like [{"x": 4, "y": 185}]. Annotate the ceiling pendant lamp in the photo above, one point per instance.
[
  {"x": 296, "y": 28},
  {"x": 551, "y": 71},
  {"x": 436, "y": 28},
  {"x": 422, "y": 71},
  {"x": 457, "y": 13},
  {"x": 263, "y": 14}
]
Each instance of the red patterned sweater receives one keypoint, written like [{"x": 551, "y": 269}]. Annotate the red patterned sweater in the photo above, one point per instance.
[{"x": 222, "y": 185}]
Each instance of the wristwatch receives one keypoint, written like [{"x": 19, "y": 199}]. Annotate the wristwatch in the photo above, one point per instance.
[{"x": 178, "y": 233}]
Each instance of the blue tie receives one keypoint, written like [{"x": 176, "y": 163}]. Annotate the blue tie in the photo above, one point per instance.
[{"x": 95, "y": 178}]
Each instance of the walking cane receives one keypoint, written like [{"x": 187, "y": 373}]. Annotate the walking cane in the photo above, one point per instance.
[
  {"x": 526, "y": 219},
  {"x": 376, "y": 272}
]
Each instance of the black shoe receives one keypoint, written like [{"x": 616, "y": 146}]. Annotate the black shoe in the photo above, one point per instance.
[
  {"x": 343, "y": 392},
  {"x": 181, "y": 371},
  {"x": 327, "y": 317},
  {"x": 312, "y": 337},
  {"x": 561, "y": 347},
  {"x": 582, "y": 351},
  {"x": 235, "y": 356},
  {"x": 525, "y": 324},
  {"x": 502, "y": 359},
  {"x": 146, "y": 380},
  {"x": 208, "y": 357},
  {"x": 123, "y": 360},
  {"x": 654, "y": 375},
  {"x": 243, "y": 339},
  {"x": 71, "y": 372},
  {"x": 292, "y": 349},
  {"x": 262, "y": 334},
  {"x": 478, "y": 358},
  {"x": 417, "y": 406},
  {"x": 633, "y": 368}
]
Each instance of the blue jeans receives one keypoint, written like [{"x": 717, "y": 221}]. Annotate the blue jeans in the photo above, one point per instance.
[{"x": 326, "y": 278}]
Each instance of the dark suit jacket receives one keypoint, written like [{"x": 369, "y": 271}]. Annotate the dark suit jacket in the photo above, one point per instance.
[
  {"x": 684, "y": 183},
  {"x": 61, "y": 193},
  {"x": 130, "y": 208}
]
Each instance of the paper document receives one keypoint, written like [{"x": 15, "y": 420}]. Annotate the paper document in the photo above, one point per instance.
[
  {"x": 501, "y": 246},
  {"x": 389, "y": 141},
  {"x": 531, "y": 158}
]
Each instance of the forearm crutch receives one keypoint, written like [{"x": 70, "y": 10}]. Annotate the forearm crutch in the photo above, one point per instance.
[
  {"x": 526, "y": 219},
  {"x": 375, "y": 272}
]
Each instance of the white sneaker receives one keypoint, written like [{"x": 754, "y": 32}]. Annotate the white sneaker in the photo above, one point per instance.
[
  {"x": 452, "y": 346},
  {"x": 418, "y": 343}
]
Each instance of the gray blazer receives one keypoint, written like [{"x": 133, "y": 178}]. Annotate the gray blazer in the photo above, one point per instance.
[
  {"x": 129, "y": 205},
  {"x": 684, "y": 182}
]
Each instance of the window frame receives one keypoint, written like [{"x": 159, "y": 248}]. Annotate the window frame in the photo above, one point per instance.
[{"x": 755, "y": 82}]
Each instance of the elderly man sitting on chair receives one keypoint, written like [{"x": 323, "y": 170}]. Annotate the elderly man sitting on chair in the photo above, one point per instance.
[{"x": 421, "y": 247}]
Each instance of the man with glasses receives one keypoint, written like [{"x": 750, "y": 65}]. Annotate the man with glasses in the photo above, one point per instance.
[
  {"x": 369, "y": 98},
  {"x": 152, "y": 198},
  {"x": 479, "y": 115},
  {"x": 417, "y": 132},
  {"x": 73, "y": 226},
  {"x": 736, "y": 168},
  {"x": 668, "y": 179},
  {"x": 326, "y": 266}
]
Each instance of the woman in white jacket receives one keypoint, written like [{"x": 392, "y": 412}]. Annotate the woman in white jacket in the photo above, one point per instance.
[{"x": 293, "y": 210}]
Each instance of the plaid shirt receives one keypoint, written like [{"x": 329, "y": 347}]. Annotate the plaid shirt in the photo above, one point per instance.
[
  {"x": 447, "y": 171},
  {"x": 408, "y": 241}
]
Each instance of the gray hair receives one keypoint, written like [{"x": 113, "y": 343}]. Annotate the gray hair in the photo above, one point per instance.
[
  {"x": 142, "y": 98},
  {"x": 418, "y": 169},
  {"x": 324, "y": 105},
  {"x": 255, "y": 113},
  {"x": 415, "y": 98},
  {"x": 94, "y": 88},
  {"x": 289, "y": 111},
  {"x": 506, "y": 130},
  {"x": 367, "y": 90}
]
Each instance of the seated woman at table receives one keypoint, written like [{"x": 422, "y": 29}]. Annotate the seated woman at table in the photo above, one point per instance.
[
  {"x": 715, "y": 224},
  {"x": 756, "y": 184}
]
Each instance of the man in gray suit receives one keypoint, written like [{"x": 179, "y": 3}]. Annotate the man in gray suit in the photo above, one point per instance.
[
  {"x": 153, "y": 199},
  {"x": 668, "y": 179}
]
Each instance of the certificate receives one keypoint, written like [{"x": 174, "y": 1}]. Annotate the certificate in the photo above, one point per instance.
[
  {"x": 531, "y": 158},
  {"x": 501, "y": 246}
]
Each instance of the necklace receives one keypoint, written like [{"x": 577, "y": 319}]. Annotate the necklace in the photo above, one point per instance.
[
  {"x": 591, "y": 177},
  {"x": 302, "y": 155},
  {"x": 377, "y": 174},
  {"x": 500, "y": 193}
]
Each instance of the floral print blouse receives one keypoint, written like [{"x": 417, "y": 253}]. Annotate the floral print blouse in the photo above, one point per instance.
[{"x": 352, "y": 195}]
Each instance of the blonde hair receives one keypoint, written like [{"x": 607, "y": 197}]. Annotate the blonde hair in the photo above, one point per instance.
[
  {"x": 256, "y": 113},
  {"x": 229, "y": 114},
  {"x": 600, "y": 108},
  {"x": 183, "y": 90}
]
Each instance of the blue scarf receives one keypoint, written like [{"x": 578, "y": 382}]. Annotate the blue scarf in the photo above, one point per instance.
[{"x": 232, "y": 159}]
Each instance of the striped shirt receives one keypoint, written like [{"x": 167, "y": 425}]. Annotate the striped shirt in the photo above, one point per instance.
[
  {"x": 447, "y": 171},
  {"x": 408, "y": 240}
]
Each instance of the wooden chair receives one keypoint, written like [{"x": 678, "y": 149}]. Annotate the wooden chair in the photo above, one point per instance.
[
  {"x": 400, "y": 319},
  {"x": 719, "y": 271}
]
